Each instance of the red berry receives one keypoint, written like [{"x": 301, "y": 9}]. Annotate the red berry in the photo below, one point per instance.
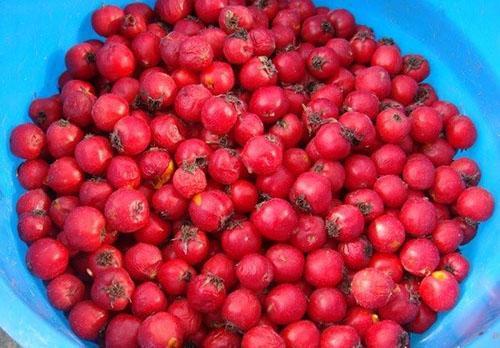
[
  {"x": 103, "y": 258},
  {"x": 123, "y": 171},
  {"x": 64, "y": 291},
  {"x": 189, "y": 102},
  {"x": 475, "y": 203},
  {"x": 319, "y": 260},
  {"x": 174, "y": 276},
  {"x": 112, "y": 289},
  {"x": 142, "y": 261},
  {"x": 371, "y": 288},
  {"x": 218, "y": 78},
  {"x": 131, "y": 135},
  {"x": 275, "y": 219},
  {"x": 47, "y": 258},
  {"x": 332, "y": 142},
  {"x": 356, "y": 253},
  {"x": 206, "y": 293},
  {"x": 386, "y": 333},
  {"x": 419, "y": 256},
  {"x": 240, "y": 239},
  {"x": 374, "y": 79},
  {"x": 301, "y": 334},
  {"x": 244, "y": 196},
  {"x": 238, "y": 47},
  {"x": 157, "y": 91},
  {"x": 87, "y": 319},
  {"x": 195, "y": 53},
  {"x": 416, "y": 67},
  {"x": 456, "y": 264},
  {"x": 402, "y": 307},
  {"x": 262, "y": 336},
  {"x": 439, "y": 291},
  {"x": 93, "y": 154},
  {"x": 218, "y": 115},
  {"x": 386, "y": 233},
  {"x": 115, "y": 60},
  {"x": 242, "y": 309},
  {"x": 425, "y": 318},
  {"x": 147, "y": 299},
  {"x": 426, "y": 124},
  {"x": 169, "y": 203},
  {"x": 290, "y": 67},
  {"x": 310, "y": 233},
  {"x": 326, "y": 306},
  {"x": 418, "y": 216},
  {"x": 84, "y": 228},
  {"x": 288, "y": 263},
  {"x": 171, "y": 11},
  {"x": 262, "y": 154},
  {"x": 285, "y": 303},
  {"x": 160, "y": 330},
  {"x": 389, "y": 159},
  {"x": 255, "y": 272},
  {"x": 311, "y": 193},
  {"x": 339, "y": 336},
  {"x": 127, "y": 210},
  {"x": 210, "y": 210},
  {"x": 361, "y": 319},
  {"x": 27, "y": 141},
  {"x": 190, "y": 244},
  {"x": 121, "y": 331}
]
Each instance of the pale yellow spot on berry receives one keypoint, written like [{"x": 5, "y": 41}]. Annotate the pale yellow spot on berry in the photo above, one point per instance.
[{"x": 197, "y": 199}]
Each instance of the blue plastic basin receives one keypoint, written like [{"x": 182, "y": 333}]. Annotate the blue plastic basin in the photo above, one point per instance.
[{"x": 461, "y": 40}]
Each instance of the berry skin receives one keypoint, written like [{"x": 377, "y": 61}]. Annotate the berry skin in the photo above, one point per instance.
[
  {"x": 311, "y": 193},
  {"x": 262, "y": 336},
  {"x": 285, "y": 303},
  {"x": 47, "y": 258},
  {"x": 460, "y": 132},
  {"x": 327, "y": 306},
  {"x": 112, "y": 289},
  {"x": 439, "y": 291},
  {"x": 386, "y": 333},
  {"x": 114, "y": 61},
  {"x": 301, "y": 334},
  {"x": 206, "y": 293},
  {"x": 419, "y": 256},
  {"x": 93, "y": 154},
  {"x": 475, "y": 203},
  {"x": 131, "y": 135},
  {"x": 87, "y": 319},
  {"x": 255, "y": 272},
  {"x": 418, "y": 216},
  {"x": 64, "y": 291},
  {"x": 160, "y": 330},
  {"x": 27, "y": 141},
  {"x": 386, "y": 233},
  {"x": 275, "y": 219},
  {"x": 344, "y": 223},
  {"x": 371, "y": 288},
  {"x": 242, "y": 309},
  {"x": 84, "y": 228},
  {"x": 319, "y": 260},
  {"x": 121, "y": 331},
  {"x": 288, "y": 263},
  {"x": 339, "y": 336},
  {"x": 218, "y": 115},
  {"x": 127, "y": 210},
  {"x": 210, "y": 210},
  {"x": 147, "y": 299}
]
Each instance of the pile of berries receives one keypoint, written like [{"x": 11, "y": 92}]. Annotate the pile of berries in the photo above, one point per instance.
[{"x": 226, "y": 173}]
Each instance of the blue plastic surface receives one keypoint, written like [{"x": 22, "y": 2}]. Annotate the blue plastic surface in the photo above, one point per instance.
[{"x": 461, "y": 40}]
